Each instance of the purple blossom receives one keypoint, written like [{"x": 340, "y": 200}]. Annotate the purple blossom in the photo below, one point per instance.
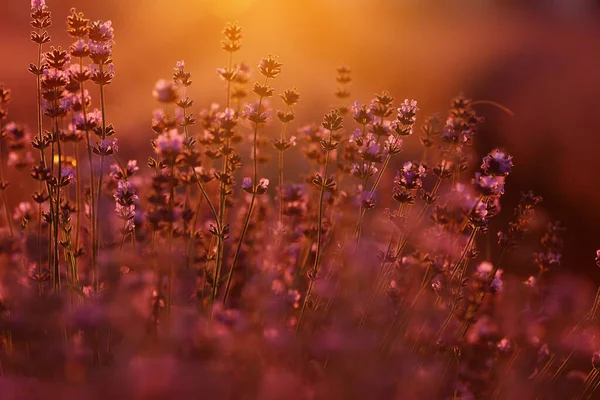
[
  {"x": 489, "y": 185},
  {"x": 109, "y": 146},
  {"x": 169, "y": 143},
  {"x": 165, "y": 91},
  {"x": 407, "y": 112},
  {"x": 79, "y": 47},
  {"x": 38, "y": 4},
  {"x": 497, "y": 163},
  {"x": 125, "y": 193},
  {"x": 100, "y": 50},
  {"x": 361, "y": 113},
  {"x": 410, "y": 177},
  {"x": 68, "y": 174},
  {"x": 247, "y": 184}
]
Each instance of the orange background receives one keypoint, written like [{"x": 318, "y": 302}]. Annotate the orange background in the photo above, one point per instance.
[{"x": 543, "y": 62}]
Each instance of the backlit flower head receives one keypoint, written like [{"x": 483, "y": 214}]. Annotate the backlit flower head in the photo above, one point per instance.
[
  {"x": 100, "y": 31},
  {"x": 169, "y": 143},
  {"x": 165, "y": 91},
  {"x": 38, "y": 4},
  {"x": 269, "y": 67},
  {"x": 410, "y": 176},
  {"x": 489, "y": 185},
  {"x": 497, "y": 163}
]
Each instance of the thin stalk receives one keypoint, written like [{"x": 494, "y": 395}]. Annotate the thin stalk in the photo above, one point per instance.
[
  {"x": 319, "y": 234},
  {"x": 376, "y": 184},
  {"x": 402, "y": 242},
  {"x": 78, "y": 195},
  {"x": 248, "y": 215},
  {"x": 170, "y": 238},
  {"x": 223, "y": 188},
  {"x": 40, "y": 123},
  {"x": 99, "y": 193},
  {"x": 93, "y": 210},
  {"x": 280, "y": 176},
  {"x": 57, "y": 212}
]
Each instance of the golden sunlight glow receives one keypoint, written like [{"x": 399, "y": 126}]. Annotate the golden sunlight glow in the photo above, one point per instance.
[{"x": 224, "y": 8}]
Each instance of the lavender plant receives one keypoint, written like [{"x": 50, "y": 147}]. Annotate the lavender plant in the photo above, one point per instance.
[{"x": 364, "y": 280}]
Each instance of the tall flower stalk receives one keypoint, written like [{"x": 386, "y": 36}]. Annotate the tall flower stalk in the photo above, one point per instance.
[
  {"x": 231, "y": 44},
  {"x": 270, "y": 68},
  {"x": 101, "y": 35},
  {"x": 332, "y": 122},
  {"x": 290, "y": 97}
]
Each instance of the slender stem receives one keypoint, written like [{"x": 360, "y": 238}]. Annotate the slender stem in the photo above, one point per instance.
[
  {"x": 40, "y": 123},
  {"x": 57, "y": 213},
  {"x": 93, "y": 209},
  {"x": 248, "y": 215},
  {"x": 402, "y": 242},
  {"x": 99, "y": 193},
  {"x": 280, "y": 176},
  {"x": 319, "y": 234},
  {"x": 222, "y": 192},
  {"x": 170, "y": 238}
]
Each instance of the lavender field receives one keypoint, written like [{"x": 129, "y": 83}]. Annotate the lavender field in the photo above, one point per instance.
[{"x": 269, "y": 232}]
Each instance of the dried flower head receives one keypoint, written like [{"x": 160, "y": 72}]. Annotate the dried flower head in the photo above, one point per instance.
[
  {"x": 290, "y": 97},
  {"x": 332, "y": 121},
  {"x": 269, "y": 66}
]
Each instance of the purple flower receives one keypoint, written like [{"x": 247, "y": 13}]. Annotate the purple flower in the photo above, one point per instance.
[
  {"x": 247, "y": 184},
  {"x": 407, "y": 112},
  {"x": 179, "y": 66},
  {"x": 410, "y": 177},
  {"x": 92, "y": 120},
  {"x": 100, "y": 50},
  {"x": 79, "y": 49},
  {"x": 38, "y": 4},
  {"x": 497, "y": 283},
  {"x": 165, "y": 91},
  {"x": 361, "y": 113},
  {"x": 598, "y": 258},
  {"x": 132, "y": 167},
  {"x": 489, "y": 185},
  {"x": 169, "y": 143},
  {"x": 497, "y": 163},
  {"x": 125, "y": 194},
  {"x": 101, "y": 31},
  {"x": 68, "y": 174},
  {"x": 109, "y": 145},
  {"x": 393, "y": 144}
]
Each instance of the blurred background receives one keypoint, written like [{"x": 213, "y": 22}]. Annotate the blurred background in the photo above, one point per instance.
[{"x": 541, "y": 60}]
